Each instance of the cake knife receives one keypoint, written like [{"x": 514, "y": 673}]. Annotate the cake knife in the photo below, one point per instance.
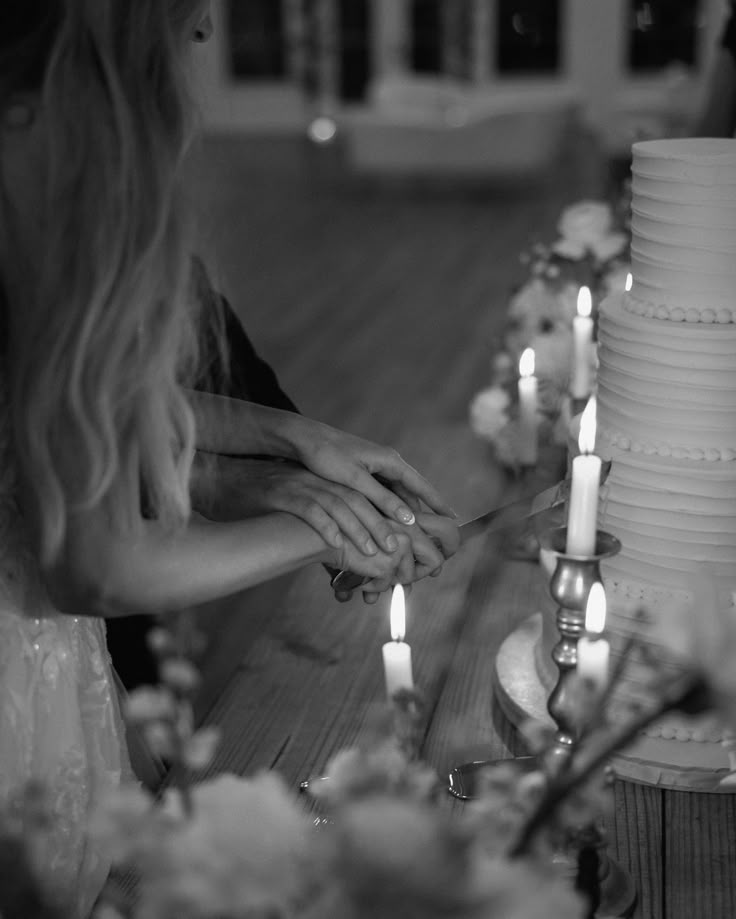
[{"x": 493, "y": 520}]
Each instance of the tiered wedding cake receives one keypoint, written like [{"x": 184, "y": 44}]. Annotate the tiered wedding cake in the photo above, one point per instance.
[{"x": 667, "y": 399}]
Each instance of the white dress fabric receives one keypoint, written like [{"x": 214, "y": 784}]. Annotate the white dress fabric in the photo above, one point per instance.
[{"x": 60, "y": 721}]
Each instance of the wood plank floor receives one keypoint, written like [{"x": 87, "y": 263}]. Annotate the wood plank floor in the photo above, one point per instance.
[
  {"x": 379, "y": 304},
  {"x": 376, "y": 303}
]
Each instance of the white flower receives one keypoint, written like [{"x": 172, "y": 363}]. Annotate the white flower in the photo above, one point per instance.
[
  {"x": 149, "y": 703},
  {"x": 553, "y": 357},
  {"x": 506, "y": 445},
  {"x": 180, "y": 674},
  {"x": 385, "y": 769},
  {"x": 199, "y": 749},
  {"x": 121, "y": 820},
  {"x": 503, "y": 369},
  {"x": 539, "y": 307},
  {"x": 489, "y": 412},
  {"x": 608, "y": 247},
  {"x": 585, "y": 220},
  {"x": 241, "y": 853},
  {"x": 526, "y": 891},
  {"x": 587, "y": 227},
  {"x": 397, "y": 854},
  {"x": 159, "y": 739}
]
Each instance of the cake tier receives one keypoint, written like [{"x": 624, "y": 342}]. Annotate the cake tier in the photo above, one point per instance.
[
  {"x": 667, "y": 395},
  {"x": 666, "y": 389},
  {"x": 671, "y": 516},
  {"x": 684, "y": 227}
]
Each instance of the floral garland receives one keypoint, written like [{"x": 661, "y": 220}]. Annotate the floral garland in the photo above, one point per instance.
[
  {"x": 383, "y": 847},
  {"x": 592, "y": 250}
]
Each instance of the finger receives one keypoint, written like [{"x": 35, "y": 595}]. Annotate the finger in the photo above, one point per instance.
[
  {"x": 308, "y": 508},
  {"x": 370, "y": 598},
  {"x": 395, "y": 469},
  {"x": 360, "y": 521},
  {"x": 405, "y": 573},
  {"x": 406, "y": 496},
  {"x": 380, "y": 565},
  {"x": 443, "y": 531},
  {"x": 343, "y": 596},
  {"x": 378, "y": 586},
  {"x": 425, "y": 551}
]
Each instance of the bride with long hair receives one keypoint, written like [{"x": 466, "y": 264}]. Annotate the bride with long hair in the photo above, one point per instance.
[{"x": 100, "y": 327}]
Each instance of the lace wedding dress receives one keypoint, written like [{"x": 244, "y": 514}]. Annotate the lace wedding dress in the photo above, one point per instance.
[{"x": 60, "y": 722}]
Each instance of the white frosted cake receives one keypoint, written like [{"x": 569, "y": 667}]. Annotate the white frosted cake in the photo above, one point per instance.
[{"x": 667, "y": 387}]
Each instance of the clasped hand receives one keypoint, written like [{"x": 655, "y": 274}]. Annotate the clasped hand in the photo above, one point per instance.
[{"x": 374, "y": 527}]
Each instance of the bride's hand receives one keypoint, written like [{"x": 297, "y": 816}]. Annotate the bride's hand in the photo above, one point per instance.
[
  {"x": 244, "y": 487},
  {"x": 364, "y": 466},
  {"x": 432, "y": 540}
]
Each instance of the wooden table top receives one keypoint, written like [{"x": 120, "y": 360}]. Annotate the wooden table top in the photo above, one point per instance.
[{"x": 309, "y": 679}]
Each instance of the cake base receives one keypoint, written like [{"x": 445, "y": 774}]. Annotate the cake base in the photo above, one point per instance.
[{"x": 685, "y": 766}]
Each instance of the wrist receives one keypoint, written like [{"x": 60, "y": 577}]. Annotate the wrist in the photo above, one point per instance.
[{"x": 297, "y": 436}]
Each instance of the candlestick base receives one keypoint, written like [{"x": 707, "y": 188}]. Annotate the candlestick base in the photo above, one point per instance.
[
  {"x": 577, "y": 404},
  {"x": 571, "y": 581},
  {"x": 523, "y": 679}
]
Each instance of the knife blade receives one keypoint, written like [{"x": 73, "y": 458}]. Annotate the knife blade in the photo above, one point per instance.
[{"x": 498, "y": 518}]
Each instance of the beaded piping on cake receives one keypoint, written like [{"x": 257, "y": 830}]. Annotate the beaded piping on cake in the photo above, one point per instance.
[
  {"x": 650, "y": 310},
  {"x": 704, "y": 730},
  {"x": 667, "y": 730},
  {"x": 658, "y": 448}
]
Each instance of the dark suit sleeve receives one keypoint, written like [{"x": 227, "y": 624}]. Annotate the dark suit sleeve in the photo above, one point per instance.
[
  {"x": 246, "y": 375},
  {"x": 231, "y": 367}
]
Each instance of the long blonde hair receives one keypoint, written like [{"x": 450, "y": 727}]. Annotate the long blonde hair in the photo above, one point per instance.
[{"x": 108, "y": 336}]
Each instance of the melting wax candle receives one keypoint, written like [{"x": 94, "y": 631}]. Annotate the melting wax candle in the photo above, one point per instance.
[
  {"x": 397, "y": 653},
  {"x": 527, "y": 409},
  {"x": 593, "y": 650},
  {"x": 582, "y": 332},
  {"x": 582, "y": 518}
]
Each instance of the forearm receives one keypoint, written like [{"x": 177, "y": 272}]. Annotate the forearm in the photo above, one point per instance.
[
  {"x": 221, "y": 489},
  {"x": 111, "y": 575},
  {"x": 232, "y": 426}
]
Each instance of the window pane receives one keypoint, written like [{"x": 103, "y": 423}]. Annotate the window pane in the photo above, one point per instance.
[
  {"x": 426, "y": 39},
  {"x": 662, "y": 32},
  {"x": 256, "y": 39},
  {"x": 355, "y": 59},
  {"x": 528, "y": 36}
]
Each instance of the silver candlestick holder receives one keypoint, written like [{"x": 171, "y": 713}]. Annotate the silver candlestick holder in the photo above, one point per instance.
[
  {"x": 570, "y": 585},
  {"x": 571, "y": 581}
]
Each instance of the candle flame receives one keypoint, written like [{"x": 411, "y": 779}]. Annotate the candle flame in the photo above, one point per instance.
[
  {"x": 526, "y": 363},
  {"x": 585, "y": 302},
  {"x": 398, "y": 614},
  {"x": 595, "y": 610},
  {"x": 629, "y": 281},
  {"x": 586, "y": 439}
]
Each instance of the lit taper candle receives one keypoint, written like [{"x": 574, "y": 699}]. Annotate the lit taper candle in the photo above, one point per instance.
[
  {"x": 397, "y": 653},
  {"x": 582, "y": 518},
  {"x": 527, "y": 409},
  {"x": 582, "y": 339},
  {"x": 593, "y": 650}
]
